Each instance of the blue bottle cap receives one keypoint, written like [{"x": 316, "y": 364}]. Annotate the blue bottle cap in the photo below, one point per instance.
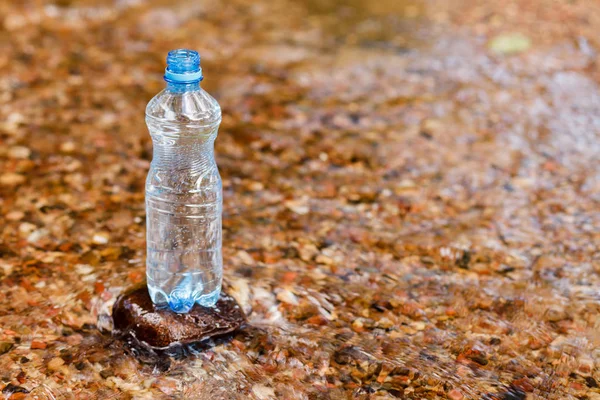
[{"x": 183, "y": 66}]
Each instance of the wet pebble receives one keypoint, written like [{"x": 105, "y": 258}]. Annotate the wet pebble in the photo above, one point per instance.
[
  {"x": 455, "y": 394},
  {"x": 591, "y": 382},
  {"x": 39, "y": 345},
  {"x": 263, "y": 392},
  {"x": 10, "y": 179},
  {"x": 11, "y": 389},
  {"x": 5, "y": 347},
  {"x": 287, "y": 297},
  {"x": 55, "y": 363},
  {"x": 100, "y": 238},
  {"x": 349, "y": 354},
  {"x": 19, "y": 152},
  {"x": 107, "y": 373},
  {"x": 15, "y": 215},
  {"x": 556, "y": 314}
]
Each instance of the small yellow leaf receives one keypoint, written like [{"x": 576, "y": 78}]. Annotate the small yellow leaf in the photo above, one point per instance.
[{"x": 510, "y": 43}]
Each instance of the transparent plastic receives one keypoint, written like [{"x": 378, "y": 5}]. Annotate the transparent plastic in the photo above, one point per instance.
[{"x": 184, "y": 263}]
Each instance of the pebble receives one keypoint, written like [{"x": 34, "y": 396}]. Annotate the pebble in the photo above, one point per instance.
[
  {"x": 307, "y": 252},
  {"x": 12, "y": 123},
  {"x": 288, "y": 297},
  {"x": 26, "y": 228},
  {"x": 67, "y": 147},
  {"x": 256, "y": 186},
  {"x": 19, "y": 152},
  {"x": 263, "y": 392},
  {"x": 419, "y": 325},
  {"x": 586, "y": 365},
  {"x": 323, "y": 259},
  {"x": 37, "y": 235},
  {"x": 166, "y": 385},
  {"x": 245, "y": 257},
  {"x": 455, "y": 394},
  {"x": 84, "y": 269},
  {"x": 385, "y": 323},
  {"x": 13, "y": 22},
  {"x": 240, "y": 291},
  {"x": 100, "y": 238},
  {"x": 15, "y": 216},
  {"x": 36, "y": 344},
  {"x": 556, "y": 313},
  {"x": 55, "y": 363},
  {"x": 358, "y": 325},
  {"x": 74, "y": 340},
  {"x": 5, "y": 347},
  {"x": 13, "y": 391},
  {"x": 299, "y": 207},
  {"x": 11, "y": 179},
  {"x": 107, "y": 373}
]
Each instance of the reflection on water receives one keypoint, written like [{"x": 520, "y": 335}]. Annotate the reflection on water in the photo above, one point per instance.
[
  {"x": 385, "y": 24},
  {"x": 407, "y": 213}
]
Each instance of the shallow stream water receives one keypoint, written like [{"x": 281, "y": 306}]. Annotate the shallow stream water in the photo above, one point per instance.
[{"x": 411, "y": 197}]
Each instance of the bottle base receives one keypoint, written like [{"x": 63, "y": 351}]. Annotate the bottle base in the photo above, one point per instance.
[
  {"x": 210, "y": 299},
  {"x": 182, "y": 303}
]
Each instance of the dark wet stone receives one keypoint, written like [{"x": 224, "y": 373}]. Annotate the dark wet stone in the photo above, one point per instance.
[
  {"x": 349, "y": 354},
  {"x": 514, "y": 393},
  {"x": 397, "y": 392},
  {"x": 464, "y": 260},
  {"x": 7, "y": 251},
  {"x": 135, "y": 314},
  {"x": 591, "y": 382},
  {"x": 107, "y": 373},
  {"x": 5, "y": 347},
  {"x": 11, "y": 389},
  {"x": 510, "y": 393}
]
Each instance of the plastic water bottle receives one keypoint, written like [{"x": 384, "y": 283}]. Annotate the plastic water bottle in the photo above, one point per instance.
[{"x": 184, "y": 264}]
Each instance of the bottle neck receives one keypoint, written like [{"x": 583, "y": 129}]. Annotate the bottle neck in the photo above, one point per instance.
[{"x": 179, "y": 87}]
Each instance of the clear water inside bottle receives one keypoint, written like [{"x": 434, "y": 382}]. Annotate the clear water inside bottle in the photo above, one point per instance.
[{"x": 183, "y": 199}]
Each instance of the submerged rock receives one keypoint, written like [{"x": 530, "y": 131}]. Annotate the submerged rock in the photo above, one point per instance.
[{"x": 134, "y": 313}]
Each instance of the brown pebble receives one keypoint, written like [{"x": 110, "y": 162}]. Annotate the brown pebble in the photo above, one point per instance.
[
  {"x": 455, "y": 394},
  {"x": 106, "y": 373},
  {"x": 5, "y": 347},
  {"x": 524, "y": 384},
  {"x": 55, "y": 363},
  {"x": 36, "y": 344},
  {"x": 11, "y": 179},
  {"x": 135, "y": 313},
  {"x": 556, "y": 314},
  {"x": 166, "y": 385}
]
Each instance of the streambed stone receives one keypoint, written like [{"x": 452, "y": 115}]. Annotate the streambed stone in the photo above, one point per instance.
[{"x": 134, "y": 313}]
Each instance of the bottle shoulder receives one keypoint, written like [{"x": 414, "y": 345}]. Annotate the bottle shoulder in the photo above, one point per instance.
[{"x": 196, "y": 107}]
